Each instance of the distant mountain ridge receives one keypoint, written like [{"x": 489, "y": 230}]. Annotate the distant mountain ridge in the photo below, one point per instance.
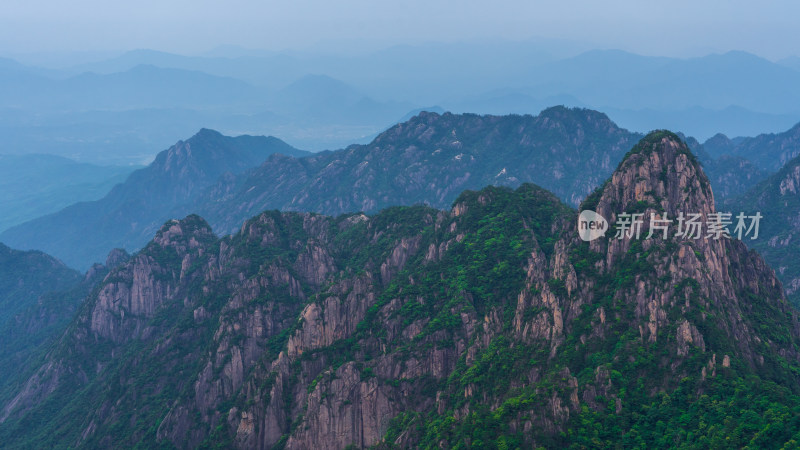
[
  {"x": 33, "y": 185},
  {"x": 77, "y": 109},
  {"x": 24, "y": 275},
  {"x": 84, "y": 233},
  {"x": 489, "y": 324},
  {"x": 778, "y": 199},
  {"x": 428, "y": 159},
  {"x": 769, "y": 151},
  {"x": 729, "y": 175},
  {"x": 142, "y": 86}
]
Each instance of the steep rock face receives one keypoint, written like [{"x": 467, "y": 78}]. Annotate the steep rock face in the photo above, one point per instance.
[
  {"x": 116, "y": 257},
  {"x": 147, "y": 283},
  {"x": 335, "y": 318},
  {"x": 490, "y": 322},
  {"x": 664, "y": 179},
  {"x": 358, "y": 414},
  {"x": 661, "y": 179}
]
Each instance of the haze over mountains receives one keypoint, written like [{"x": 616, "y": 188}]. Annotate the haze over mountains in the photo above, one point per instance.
[
  {"x": 778, "y": 198},
  {"x": 132, "y": 211},
  {"x": 377, "y": 225},
  {"x": 35, "y": 185},
  {"x": 429, "y": 159},
  {"x": 489, "y": 322},
  {"x": 121, "y": 109},
  {"x": 451, "y": 321}
]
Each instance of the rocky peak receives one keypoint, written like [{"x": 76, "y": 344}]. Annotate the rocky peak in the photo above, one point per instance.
[
  {"x": 205, "y": 144},
  {"x": 427, "y": 116},
  {"x": 577, "y": 118},
  {"x": 116, "y": 257},
  {"x": 306, "y": 331},
  {"x": 661, "y": 179},
  {"x": 661, "y": 173},
  {"x": 189, "y": 231},
  {"x": 719, "y": 144},
  {"x": 414, "y": 327}
]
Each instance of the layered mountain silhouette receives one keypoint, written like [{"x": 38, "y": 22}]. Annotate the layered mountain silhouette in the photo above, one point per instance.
[
  {"x": 778, "y": 199},
  {"x": 89, "y": 108},
  {"x": 428, "y": 159},
  {"x": 768, "y": 151},
  {"x": 128, "y": 216},
  {"x": 35, "y": 185},
  {"x": 487, "y": 324},
  {"x": 142, "y": 86},
  {"x": 320, "y": 99}
]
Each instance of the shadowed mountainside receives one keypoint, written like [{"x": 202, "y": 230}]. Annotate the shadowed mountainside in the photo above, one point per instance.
[
  {"x": 490, "y": 324},
  {"x": 128, "y": 216}
]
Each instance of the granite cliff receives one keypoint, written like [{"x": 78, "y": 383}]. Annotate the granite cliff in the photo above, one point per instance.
[{"x": 491, "y": 324}]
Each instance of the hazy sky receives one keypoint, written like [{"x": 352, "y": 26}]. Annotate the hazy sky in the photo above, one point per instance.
[{"x": 675, "y": 28}]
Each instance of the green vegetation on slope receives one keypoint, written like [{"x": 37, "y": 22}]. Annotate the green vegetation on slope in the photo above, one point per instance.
[{"x": 515, "y": 373}]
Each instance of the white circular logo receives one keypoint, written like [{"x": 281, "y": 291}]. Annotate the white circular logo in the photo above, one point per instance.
[{"x": 591, "y": 225}]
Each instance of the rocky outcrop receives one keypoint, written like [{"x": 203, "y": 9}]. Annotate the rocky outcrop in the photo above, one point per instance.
[
  {"x": 334, "y": 318},
  {"x": 141, "y": 288},
  {"x": 411, "y": 326},
  {"x": 347, "y": 410}
]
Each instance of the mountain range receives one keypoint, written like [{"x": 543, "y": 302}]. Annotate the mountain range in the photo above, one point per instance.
[
  {"x": 488, "y": 324},
  {"x": 778, "y": 199},
  {"x": 428, "y": 159},
  {"x": 132, "y": 211},
  {"x": 768, "y": 151},
  {"x": 317, "y": 100}
]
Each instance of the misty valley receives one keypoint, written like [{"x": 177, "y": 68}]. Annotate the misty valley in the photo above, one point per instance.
[{"x": 478, "y": 243}]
